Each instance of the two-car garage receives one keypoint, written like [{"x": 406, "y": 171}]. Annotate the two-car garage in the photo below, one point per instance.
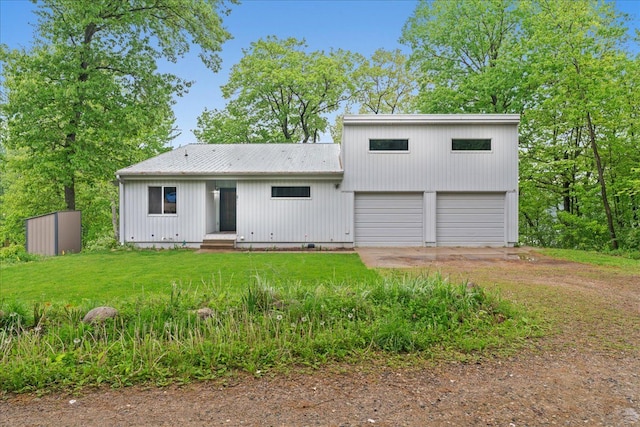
[{"x": 400, "y": 219}]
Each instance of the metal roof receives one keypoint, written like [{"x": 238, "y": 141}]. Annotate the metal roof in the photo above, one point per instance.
[
  {"x": 433, "y": 119},
  {"x": 242, "y": 159}
]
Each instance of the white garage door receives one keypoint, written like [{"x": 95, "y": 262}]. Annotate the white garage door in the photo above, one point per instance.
[
  {"x": 389, "y": 219},
  {"x": 470, "y": 219}
]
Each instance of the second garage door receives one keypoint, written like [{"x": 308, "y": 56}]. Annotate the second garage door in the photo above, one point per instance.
[
  {"x": 470, "y": 219},
  {"x": 389, "y": 219}
]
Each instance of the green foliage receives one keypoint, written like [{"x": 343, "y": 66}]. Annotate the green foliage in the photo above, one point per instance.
[
  {"x": 579, "y": 232},
  {"x": 385, "y": 83},
  {"x": 87, "y": 100},
  {"x": 467, "y": 54},
  {"x": 265, "y": 327},
  {"x": 16, "y": 253},
  {"x": 565, "y": 67},
  {"x": 279, "y": 92}
]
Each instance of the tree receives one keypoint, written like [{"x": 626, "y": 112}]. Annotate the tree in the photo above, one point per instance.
[
  {"x": 467, "y": 55},
  {"x": 233, "y": 126},
  {"x": 278, "y": 88},
  {"x": 386, "y": 83},
  {"x": 82, "y": 98},
  {"x": 562, "y": 65},
  {"x": 585, "y": 95},
  {"x": 87, "y": 98}
]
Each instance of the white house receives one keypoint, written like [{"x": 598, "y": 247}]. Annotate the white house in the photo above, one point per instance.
[{"x": 396, "y": 180}]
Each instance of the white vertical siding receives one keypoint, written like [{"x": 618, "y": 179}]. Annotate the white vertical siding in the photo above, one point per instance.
[
  {"x": 511, "y": 220},
  {"x": 188, "y": 225},
  {"x": 211, "y": 213},
  {"x": 324, "y": 218},
  {"x": 430, "y": 218},
  {"x": 430, "y": 164}
]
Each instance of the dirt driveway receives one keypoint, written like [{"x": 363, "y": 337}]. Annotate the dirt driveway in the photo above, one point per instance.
[
  {"x": 587, "y": 372},
  {"x": 424, "y": 257}
]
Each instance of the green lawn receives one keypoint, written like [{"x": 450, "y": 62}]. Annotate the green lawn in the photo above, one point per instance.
[
  {"x": 625, "y": 265},
  {"x": 105, "y": 276},
  {"x": 267, "y": 311}
]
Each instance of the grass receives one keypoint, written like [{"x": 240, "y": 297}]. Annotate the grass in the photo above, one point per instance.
[
  {"x": 104, "y": 276},
  {"x": 269, "y": 311},
  {"x": 622, "y": 264},
  {"x": 265, "y": 327}
]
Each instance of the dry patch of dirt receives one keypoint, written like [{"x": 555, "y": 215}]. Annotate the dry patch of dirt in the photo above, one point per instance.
[{"x": 585, "y": 373}]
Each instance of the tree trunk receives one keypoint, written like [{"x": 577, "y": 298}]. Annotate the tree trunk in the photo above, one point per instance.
[
  {"x": 114, "y": 220},
  {"x": 603, "y": 186},
  {"x": 70, "y": 195}
]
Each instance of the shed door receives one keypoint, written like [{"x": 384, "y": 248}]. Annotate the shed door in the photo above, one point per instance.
[
  {"x": 470, "y": 219},
  {"x": 389, "y": 219}
]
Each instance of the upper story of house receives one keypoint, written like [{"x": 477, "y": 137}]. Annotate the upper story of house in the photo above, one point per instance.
[{"x": 466, "y": 152}]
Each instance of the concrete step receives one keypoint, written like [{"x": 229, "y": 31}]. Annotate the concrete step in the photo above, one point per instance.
[{"x": 218, "y": 244}]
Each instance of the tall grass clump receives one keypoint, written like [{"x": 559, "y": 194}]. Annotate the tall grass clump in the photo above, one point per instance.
[{"x": 164, "y": 338}]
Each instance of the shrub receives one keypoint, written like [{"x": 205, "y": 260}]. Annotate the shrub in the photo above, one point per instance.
[{"x": 16, "y": 253}]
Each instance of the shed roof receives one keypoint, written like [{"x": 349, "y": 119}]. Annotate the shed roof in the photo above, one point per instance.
[{"x": 242, "y": 159}]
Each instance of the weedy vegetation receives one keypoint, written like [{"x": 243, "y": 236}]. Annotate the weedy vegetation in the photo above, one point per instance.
[{"x": 256, "y": 325}]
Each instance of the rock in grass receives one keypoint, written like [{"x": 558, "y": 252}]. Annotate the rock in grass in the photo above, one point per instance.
[
  {"x": 99, "y": 314},
  {"x": 205, "y": 313}
]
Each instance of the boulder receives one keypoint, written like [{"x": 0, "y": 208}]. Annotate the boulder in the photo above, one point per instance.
[
  {"x": 99, "y": 314},
  {"x": 204, "y": 313}
]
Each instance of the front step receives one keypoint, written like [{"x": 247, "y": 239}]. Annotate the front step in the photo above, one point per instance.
[{"x": 226, "y": 242}]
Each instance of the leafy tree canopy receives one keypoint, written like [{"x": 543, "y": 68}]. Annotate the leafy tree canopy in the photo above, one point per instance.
[
  {"x": 87, "y": 99},
  {"x": 279, "y": 92},
  {"x": 385, "y": 83}
]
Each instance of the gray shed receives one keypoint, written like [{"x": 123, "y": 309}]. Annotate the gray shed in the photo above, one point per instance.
[{"x": 54, "y": 233}]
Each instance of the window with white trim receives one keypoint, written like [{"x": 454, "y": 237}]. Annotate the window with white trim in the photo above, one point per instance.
[
  {"x": 299, "y": 192},
  {"x": 162, "y": 200}
]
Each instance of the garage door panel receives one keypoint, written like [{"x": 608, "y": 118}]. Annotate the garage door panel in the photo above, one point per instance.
[
  {"x": 389, "y": 219},
  {"x": 470, "y": 219},
  {"x": 381, "y": 219},
  {"x": 484, "y": 218},
  {"x": 489, "y": 233},
  {"x": 378, "y": 204}
]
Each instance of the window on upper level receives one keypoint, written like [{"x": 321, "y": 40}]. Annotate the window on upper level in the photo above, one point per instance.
[
  {"x": 471, "y": 144},
  {"x": 162, "y": 200},
  {"x": 388, "y": 145},
  {"x": 291, "y": 192}
]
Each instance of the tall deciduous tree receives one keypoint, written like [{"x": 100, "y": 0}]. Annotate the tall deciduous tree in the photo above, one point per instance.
[
  {"x": 467, "y": 54},
  {"x": 563, "y": 66},
  {"x": 279, "y": 88},
  {"x": 87, "y": 99},
  {"x": 385, "y": 83},
  {"x": 89, "y": 89},
  {"x": 584, "y": 94}
]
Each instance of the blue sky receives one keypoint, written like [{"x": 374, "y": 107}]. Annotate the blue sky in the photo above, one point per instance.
[{"x": 357, "y": 25}]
